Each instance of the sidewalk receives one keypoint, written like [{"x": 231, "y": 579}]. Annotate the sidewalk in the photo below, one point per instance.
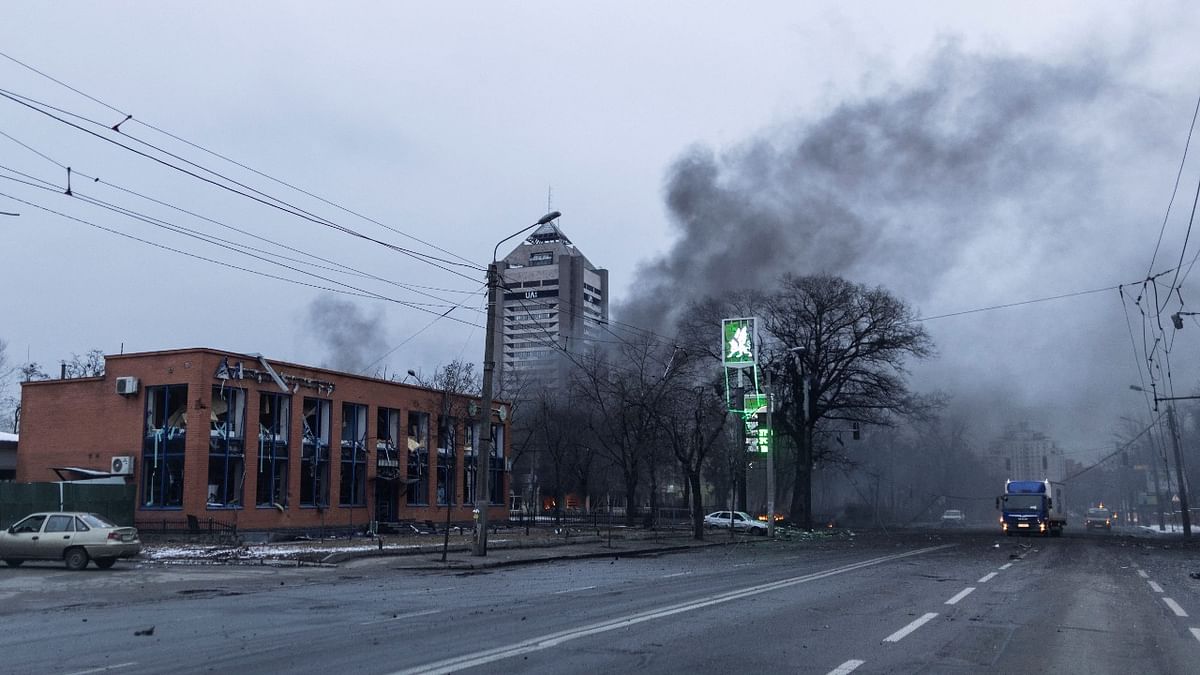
[
  {"x": 503, "y": 551},
  {"x": 424, "y": 552}
]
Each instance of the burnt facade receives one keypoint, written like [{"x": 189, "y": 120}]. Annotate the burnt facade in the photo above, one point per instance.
[{"x": 263, "y": 444}]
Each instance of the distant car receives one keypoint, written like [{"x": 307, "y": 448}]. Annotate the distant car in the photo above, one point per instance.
[
  {"x": 75, "y": 538},
  {"x": 953, "y": 518},
  {"x": 1098, "y": 517},
  {"x": 740, "y": 520}
]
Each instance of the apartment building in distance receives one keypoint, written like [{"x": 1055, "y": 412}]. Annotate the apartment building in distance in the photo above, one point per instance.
[
  {"x": 553, "y": 300},
  {"x": 263, "y": 445},
  {"x": 1023, "y": 453}
]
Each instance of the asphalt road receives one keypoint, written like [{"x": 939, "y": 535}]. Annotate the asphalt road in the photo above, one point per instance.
[{"x": 936, "y": 602}]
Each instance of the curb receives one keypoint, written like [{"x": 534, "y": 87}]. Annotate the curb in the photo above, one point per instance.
[{"x": 492, "y": 564}]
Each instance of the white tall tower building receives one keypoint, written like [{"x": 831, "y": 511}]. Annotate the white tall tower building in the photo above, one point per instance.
[{"x": 553, "y": 300}]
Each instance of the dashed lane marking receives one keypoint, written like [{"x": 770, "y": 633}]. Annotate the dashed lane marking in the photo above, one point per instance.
[
  {"x": 900, "y": 634},
  {"x": 1195, "y": 632},
  {"x": 1155, "y": 587},
  {"x": 1006, "y": 566},
  {"x": 960, "y": 595},
  {"x": 1175, "y": 607},
  {"x": 849, "y": 666},
  {"x": 677, "y": 574},
  {"x": 573, "y": 590},
  {"x": 987, "y": 577},
  {"x": 106, "y": 669},
  {"x": 1142, "y": 574},
  {"x": 401, "y": 617}
]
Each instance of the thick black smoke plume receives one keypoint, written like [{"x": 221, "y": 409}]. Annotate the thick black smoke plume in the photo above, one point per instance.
[{"x": 987, "y": 180}]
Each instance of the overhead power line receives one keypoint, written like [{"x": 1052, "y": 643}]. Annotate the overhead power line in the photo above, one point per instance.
[
  {"x": 354, "y": 291},
  {"x": 129, "y": 117},
  {"x": 245, "y": 191}
]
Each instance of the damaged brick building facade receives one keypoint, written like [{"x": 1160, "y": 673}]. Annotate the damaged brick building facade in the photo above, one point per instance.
[{"x": 263, "y": 445}]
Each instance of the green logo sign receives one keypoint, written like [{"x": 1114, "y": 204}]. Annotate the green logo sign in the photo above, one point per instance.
[{"x": 738, "y": 342}]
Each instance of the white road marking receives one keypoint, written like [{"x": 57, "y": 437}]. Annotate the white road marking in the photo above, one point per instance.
[
  {"x": 987, "y": 577},
  {"x": 1142, "y": 574},
  {"x": 573, "y": 590},
  {"x": 677, "y": 574},
  {"x": 401, "y": 617},
  {"x": 484, "y": 657},
  {"x": 1006, "y": 566},
  {"x": 106, "y": 669},
  {"x": 849, "y": 666},
  {"x": 900, "y": 634},
  {"x": 1155, "y": 587},
  {"x": 1175, "y": 607},
  {"x": 1195, "y": 632},
  {"x": 961, "y": 594}
]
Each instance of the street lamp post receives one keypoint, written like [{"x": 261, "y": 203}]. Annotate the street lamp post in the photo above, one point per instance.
[
  {"x": 1184, "y": 515},
  {"x": 482, "y": 466}
]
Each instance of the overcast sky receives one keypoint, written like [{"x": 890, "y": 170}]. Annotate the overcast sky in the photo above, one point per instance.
[{"x": 962, "y": 155}]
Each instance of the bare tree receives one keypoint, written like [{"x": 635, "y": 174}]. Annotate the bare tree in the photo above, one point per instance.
[
  {"x": 9, "y": 400},
  {"x": 841, "y": 348},
  {"x": 90, "y": 364},
  {"x": 553, "y": 424},
  {"x": 623, "y": 405},
  {"x": 694, "y": 421}
]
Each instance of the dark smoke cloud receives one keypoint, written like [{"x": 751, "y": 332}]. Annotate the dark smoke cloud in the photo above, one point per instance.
[
  {"x": 990, "y": 179},
  {"x": 352, "y": 337}
]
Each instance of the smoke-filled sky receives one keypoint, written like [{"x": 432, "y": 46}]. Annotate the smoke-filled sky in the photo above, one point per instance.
[{"x": 962, "y": 155}]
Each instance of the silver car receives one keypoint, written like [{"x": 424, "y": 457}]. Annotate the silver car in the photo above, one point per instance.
[
  {"x": 740, "y": 520},
  {"x": 72, "y": 537}
]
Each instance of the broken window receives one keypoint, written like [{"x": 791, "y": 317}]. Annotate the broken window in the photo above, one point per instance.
[
  {"x": 226, "y": 447},
  {"x": 314, "y": 454},
  {"x": 387, "y": 444},
  {"x": 418, "y": 458},
  {"x": 470, "y": 461},
  {"x": 354, "y": 455},
  {"x": 163, "y": 446},
  {"x": 445, "y": 460},
  {"x": 274, "y": 415},
  {"x": 496, "y": 466}
]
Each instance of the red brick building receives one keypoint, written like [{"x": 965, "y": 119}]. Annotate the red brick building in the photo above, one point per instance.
[{"x": 263, "y": 444}]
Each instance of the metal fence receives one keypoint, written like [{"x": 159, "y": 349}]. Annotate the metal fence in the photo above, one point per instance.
[{"x": 186, "y": 525}]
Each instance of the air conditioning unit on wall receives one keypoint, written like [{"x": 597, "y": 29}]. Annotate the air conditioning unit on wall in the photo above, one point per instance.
[
  {"x": 122, "y": 466},
  {"x": 127, "y": 386}
]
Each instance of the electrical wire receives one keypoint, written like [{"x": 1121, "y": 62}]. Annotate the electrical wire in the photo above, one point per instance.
[
  {"x": 129, "y": 117},
  {"x": 1178, "y": 174},
  {"x": 355, "y": 292},
  {"x": 265, "y": 200}
]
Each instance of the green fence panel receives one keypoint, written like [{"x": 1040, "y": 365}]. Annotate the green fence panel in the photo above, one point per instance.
[{"x": 115, "y": 502}]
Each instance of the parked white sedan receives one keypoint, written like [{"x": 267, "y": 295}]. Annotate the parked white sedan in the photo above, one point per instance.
[
  {"x": 740, "y": 520},
  {"x": 74, "y": 538}
]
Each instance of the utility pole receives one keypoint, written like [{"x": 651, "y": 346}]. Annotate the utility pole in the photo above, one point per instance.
[
  {"x": 484, "y": 437},
  {"x": 1180, "y": 475},
  {"x": 1185, "y": 515},
  {"x": 483, "y": 465}
]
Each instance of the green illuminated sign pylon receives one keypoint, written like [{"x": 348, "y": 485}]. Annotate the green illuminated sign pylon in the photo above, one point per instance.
[{"x": 758, "y": 431}]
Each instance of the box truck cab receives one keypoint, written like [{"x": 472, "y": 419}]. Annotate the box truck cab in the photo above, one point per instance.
[{"x": 1032, "y": 507}]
